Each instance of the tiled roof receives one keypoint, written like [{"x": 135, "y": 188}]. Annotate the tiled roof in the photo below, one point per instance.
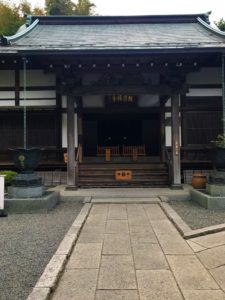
[{"x": 118, "y": 35}]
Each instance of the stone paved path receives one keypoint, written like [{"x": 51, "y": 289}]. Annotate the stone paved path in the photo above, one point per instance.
[{"x": 132, "y": 251}]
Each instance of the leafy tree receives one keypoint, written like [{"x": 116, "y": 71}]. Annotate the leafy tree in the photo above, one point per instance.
[
  {"x": 12, "y": 15},
  {"x": 10, "y": 18},
  {"x": 59, "y": 7},
  {"x": 67, "y": 7},
  {"x": 221, "y": 24},
  {"x": 84, "y": 8}
]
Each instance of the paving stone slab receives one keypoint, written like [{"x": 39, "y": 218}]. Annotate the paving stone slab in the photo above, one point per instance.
[
  {"x": 100, "y": 209},
  {"x": 140, "y": 220},
  {"x": 211, "y": 240},
  {"x": 143, "y": 237},
  {"x": 157, "y": 285},
  {"x": 154, "y": 212},
  {"x": 204, "y": 295},
  {"x": 169, "y": 239},
  {"x": 116, "y": 244},
  {"x": 117, "y": 226},
  {"x": 213, "y": 258},
  {"x": 93, "y": 229},
  {"x": 195, "y": 247},
  {"x": 149, "y": 257},
  {"x": 90, "y": 237},
  {"x": 219, "y": 275},
  {"x": 85, "y": 256},
  {"x": 117, "y": 272},
  {"x": 134, "y": 210},
  {"x": 117, "y": 212},
  {"x": 190, "y": 273},
  {"x": 117, "y": 295},
  {"x": 77, "y": 284},
  {"x": 96, "y": 220}
]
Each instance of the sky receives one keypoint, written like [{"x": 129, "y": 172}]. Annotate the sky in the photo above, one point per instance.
[{"x": 148, "y": 7}]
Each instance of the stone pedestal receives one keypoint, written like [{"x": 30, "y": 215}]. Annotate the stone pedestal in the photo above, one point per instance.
[
  {"x": 215, "y": 189},
  {"x": 214, "y": 195},
  {"x": 217, "y": 177},
  {"x": 26, "y": 185}
]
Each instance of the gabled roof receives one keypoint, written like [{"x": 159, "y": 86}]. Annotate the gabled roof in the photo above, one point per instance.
[{"x": 115, "y": 33}]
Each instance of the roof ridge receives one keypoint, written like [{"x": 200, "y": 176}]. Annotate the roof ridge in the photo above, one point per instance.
[
  {"x": 211, "y": 29},
  {"x": 143, "y": 19},
  {"x": 7, "y": 39}
]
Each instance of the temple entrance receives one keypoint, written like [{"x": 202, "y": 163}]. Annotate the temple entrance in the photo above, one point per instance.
[{"x": 121, "y": 130}]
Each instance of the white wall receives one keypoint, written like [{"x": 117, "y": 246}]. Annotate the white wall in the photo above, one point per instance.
[
  {"x": 93, "y": 101},
  {"x": 7, "y": 78},
  {"x": 204, "y": 92},
  {"x": 148, "y": 100},
  {"x": 38, "y": 78},
  {"x": 64, "y": 130},
  {"x": 205, "y": 76}
]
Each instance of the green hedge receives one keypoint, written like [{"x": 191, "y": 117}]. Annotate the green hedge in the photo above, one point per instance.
[{"x": 9, "y": 175}]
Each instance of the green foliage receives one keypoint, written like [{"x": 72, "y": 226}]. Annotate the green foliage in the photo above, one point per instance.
[
  {"x": 59, "y": 7},
  {"x": 12, "y": 15},
  {"x": 219, "y": 141},
  {"x": 10, "y": 19},
  {"x": 67, "y": 7},
  {"x": 221, "y": 24},
  {"x": 84, "y": 8},
  {"x": 9, "y": 175}
]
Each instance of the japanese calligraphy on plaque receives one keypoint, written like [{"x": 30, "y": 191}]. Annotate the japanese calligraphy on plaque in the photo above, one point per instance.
[{"x": 118, "y": 100}]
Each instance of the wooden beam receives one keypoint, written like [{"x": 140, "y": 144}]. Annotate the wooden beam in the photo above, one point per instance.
[
  {"x": 130, "y": 89},
  {"x": 176, "y": 167},
  {"x": 71, "y": 174}
]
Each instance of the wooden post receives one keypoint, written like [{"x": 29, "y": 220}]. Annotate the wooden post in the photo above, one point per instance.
[
  {"x": 162, "y": 131},
  {"x": 176, "y": 173},
  {"x": 223, "y": 90},
  {"x": 71, "y": 172}
]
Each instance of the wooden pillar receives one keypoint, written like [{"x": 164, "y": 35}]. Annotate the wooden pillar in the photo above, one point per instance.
[
  {"x": 58, "y": 114},
  {"x": 223, "y": 90},
  {"x": 162, "y": 130},
  {"x": 175, "y": 120},
  {"x": 71, "y": 164},
  {"x": 17, "y": 86}
]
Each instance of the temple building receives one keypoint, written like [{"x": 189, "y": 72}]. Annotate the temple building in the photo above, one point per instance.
[{"x": 125, "y": 100}]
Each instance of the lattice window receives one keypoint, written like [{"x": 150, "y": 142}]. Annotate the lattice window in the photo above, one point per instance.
[{"x": 201, "y": 127}]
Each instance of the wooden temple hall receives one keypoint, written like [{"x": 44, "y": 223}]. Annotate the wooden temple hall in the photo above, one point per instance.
[{"x": 114, "y": 101}]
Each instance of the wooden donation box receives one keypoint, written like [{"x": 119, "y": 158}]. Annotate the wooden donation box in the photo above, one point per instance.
[{"x": 123, "y": 175}]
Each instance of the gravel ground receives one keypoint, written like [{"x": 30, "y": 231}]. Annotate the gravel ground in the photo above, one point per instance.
[
  {"x": 196, "y": 216},
  {"x": 27, "y": 242}
]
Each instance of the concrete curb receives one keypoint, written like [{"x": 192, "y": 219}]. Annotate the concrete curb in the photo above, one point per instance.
[
  {"x": 125, "y": 200},
  {"x": 183, "y": 228},
  {"x": 49, "y": 278}
]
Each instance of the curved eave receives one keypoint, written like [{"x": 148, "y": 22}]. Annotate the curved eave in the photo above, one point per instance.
[
  {"x": 211, "y": 29},
  {"x": 23, "y": 33},
  {"x": 102, "y": 52}
]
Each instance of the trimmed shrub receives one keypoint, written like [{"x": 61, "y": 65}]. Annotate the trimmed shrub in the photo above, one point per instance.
[{"x": 9, "y": 175}]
